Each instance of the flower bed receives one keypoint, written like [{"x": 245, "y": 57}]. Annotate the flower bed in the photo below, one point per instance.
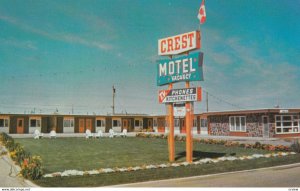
[
  {"x": 167, "y": 165},
  {"x": 31, "y": 166},
  {"x": 256, "y": 145}
]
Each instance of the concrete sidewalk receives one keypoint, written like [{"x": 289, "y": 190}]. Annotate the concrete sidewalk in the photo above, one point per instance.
[
  {"x": 9, "y": 174},
  {"x": 276, "y": 176}
]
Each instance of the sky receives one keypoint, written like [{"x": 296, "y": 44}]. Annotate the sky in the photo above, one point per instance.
[{"x": 66, "y": 55}]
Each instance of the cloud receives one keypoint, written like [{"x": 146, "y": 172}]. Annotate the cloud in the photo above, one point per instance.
[
  {"x": 261, "y": 80},
  {"x": 19, "y": 43},
  {"x": 64, "y": 37},
  {"x": 248, "y": 75},
  {"x": 221, "y": 58}
]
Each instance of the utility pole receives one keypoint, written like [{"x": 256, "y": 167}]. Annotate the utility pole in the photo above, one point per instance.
[
  {"x": 206, "y": 101},
  {"x": 113, "y": 106}
]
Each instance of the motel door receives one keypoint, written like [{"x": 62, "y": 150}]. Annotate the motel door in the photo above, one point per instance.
[
  {"x": 182, "y": 126},
  {"x": 265, "y": 120},
  {"x": 81, "y": 125},
  {"x": 161, "y": 125},
  {"x": 88, "y": 124},
  {"x": 203, "y": 126},
  {"x": 20, "y": 125},
  {"x": 150, "y": 124},
  {"x": 126, "y": 124}
]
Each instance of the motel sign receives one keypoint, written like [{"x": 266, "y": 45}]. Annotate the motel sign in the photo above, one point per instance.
[
  {"x": 185, "y": 68},
  {"x": 178, "y": 44}
]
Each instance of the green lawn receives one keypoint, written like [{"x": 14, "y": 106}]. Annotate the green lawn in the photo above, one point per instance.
[{"x": 78, "y": 153}]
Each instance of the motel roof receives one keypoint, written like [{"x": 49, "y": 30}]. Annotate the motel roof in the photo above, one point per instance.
[{"x": 251, "y": 111}]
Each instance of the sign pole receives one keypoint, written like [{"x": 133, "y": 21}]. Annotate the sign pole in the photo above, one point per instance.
[
  {"x": 189, "y": 139},
  {"x": 171, "y": 130}
]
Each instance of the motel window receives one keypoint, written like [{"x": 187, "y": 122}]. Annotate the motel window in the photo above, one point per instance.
[
  {"x": 100, "y": 123},
  {"x": 3, "y": 122},
  {"x": 141, "y": 123},
  {"x": 116, "y": 123},
  {"x": 34, "y": 122},
  {"x": 20, "y": 123},
  {"x": 138, "y": 123},
  {"x": 287, "y": 124},
  {"x": 203, "y": 123},
  {"x": 176, "y": 122},
  {"x": 237, "y": 123},
  {"x": 149, "y": 123},
  {"x": 195, "y": 122},
  {"x": 154, "y": 122},
  {"x": 68, "y": 122}
]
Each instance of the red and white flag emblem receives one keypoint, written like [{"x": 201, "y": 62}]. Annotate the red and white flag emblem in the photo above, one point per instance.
[{"x": 202, "y": 13}]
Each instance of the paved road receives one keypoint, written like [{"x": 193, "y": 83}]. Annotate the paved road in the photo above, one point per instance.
[
  {"x": 284, "y": 176},
  {"x": 8, "y": 174}
]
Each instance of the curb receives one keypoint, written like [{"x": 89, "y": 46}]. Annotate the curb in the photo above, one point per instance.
[{"x": 208, "y": 175}]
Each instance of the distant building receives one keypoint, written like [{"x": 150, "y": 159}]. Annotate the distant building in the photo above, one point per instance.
[{"x": 245, "y": 123}]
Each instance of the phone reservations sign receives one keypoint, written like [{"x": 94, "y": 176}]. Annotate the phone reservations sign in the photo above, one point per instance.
[
  {"x": 180, "y": 95},
  {"x": 184, "y": 68}
]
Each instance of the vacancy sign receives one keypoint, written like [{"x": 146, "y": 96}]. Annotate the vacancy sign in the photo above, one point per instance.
[
  {"x": 184, "y": 68},
  {"x": 180, "y": 95},
  {"x": 180, "y": 43}
]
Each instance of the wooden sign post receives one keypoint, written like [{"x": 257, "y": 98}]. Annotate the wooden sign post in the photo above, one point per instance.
[
  {"x": 188, "y": 123},
  {"x": 171, "y": 141}
]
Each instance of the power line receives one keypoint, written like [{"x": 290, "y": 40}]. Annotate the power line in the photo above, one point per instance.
[{"x": 222, "y": 100}]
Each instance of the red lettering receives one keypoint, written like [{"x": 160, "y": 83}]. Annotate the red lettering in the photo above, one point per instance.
[
  {"x": 162, "y": 46},
  {"x": 183, "y": 41},
  {"x": 191, "y": 36},
  {"x": 170, "y": 44},
  {"x": 177, "y": 40}
]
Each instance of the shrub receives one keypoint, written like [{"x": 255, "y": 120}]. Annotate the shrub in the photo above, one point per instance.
[
  {"x": 296, "y": 146},
  {"x": 257, "y": 145},
  {"x": 31, "y": 166},
  {"x": 271, "y": 148},
  {"x": 183, "y": 138},
  {"x": 242, "y": 145},
  {"x": 150, "y": 130}
]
